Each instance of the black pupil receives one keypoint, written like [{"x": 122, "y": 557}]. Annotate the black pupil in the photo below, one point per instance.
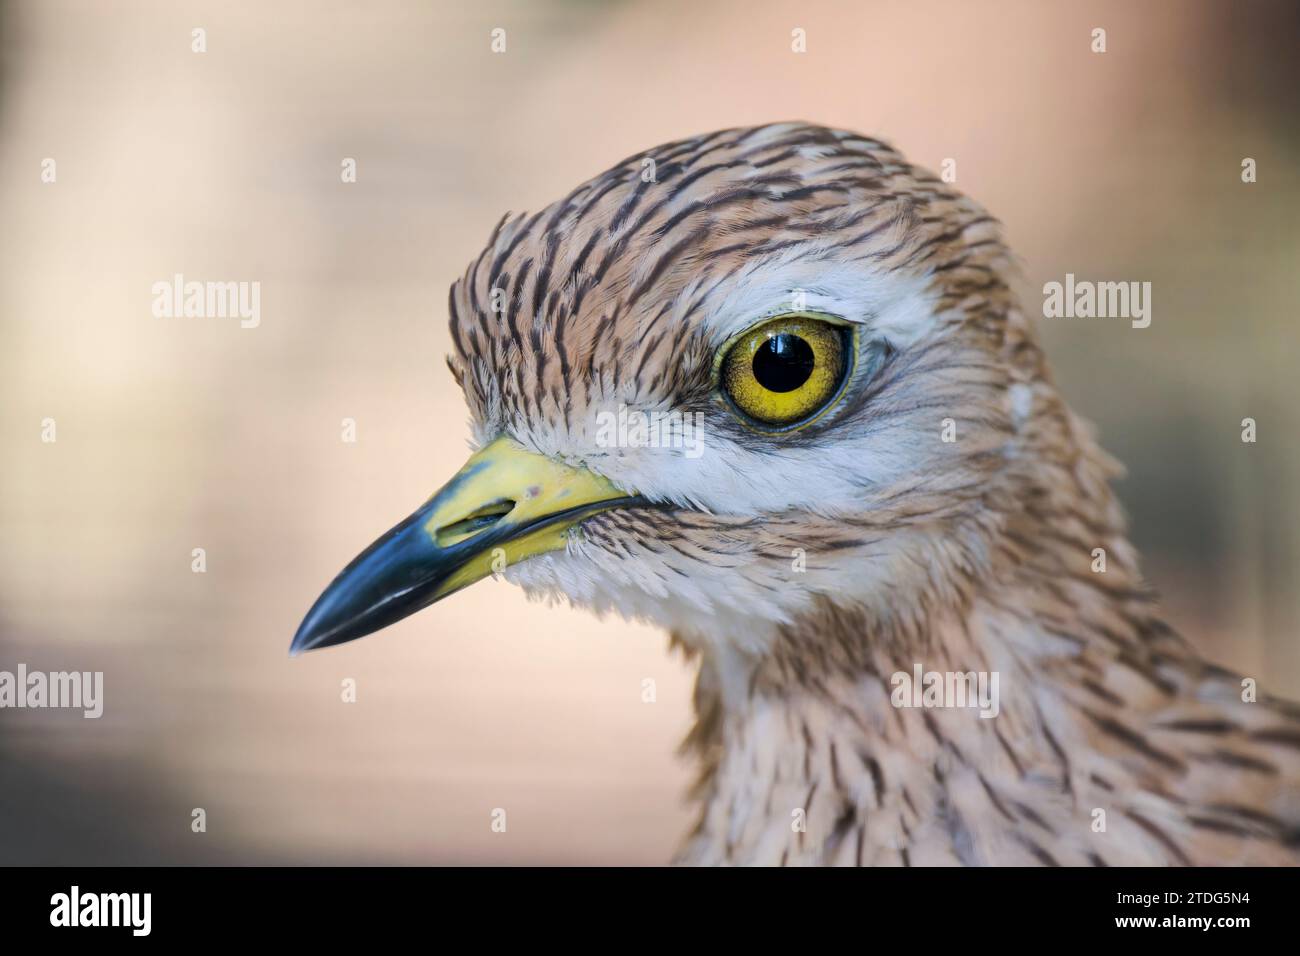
[{"x": 783, "y": 363}]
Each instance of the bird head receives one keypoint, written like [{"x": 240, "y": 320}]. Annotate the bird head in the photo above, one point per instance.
[{"x": 723, "y": 381}]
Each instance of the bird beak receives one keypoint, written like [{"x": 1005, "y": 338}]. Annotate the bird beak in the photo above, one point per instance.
[{"x": 504, "y": 506}]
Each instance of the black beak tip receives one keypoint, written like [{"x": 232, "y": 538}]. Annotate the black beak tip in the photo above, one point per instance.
[
  {"x": 319, "y": 630},
  {"x": 300, "y": 643},
  {"x": 396, "y": 576},
  {"x": 331, "y": 620},
  {"x": 305, "y": 639}
]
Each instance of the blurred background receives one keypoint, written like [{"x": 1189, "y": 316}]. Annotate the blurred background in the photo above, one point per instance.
[{"x": 175, "y": 434}]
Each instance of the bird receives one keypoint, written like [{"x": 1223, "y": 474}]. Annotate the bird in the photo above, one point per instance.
[{"x": 773, "y": 390}]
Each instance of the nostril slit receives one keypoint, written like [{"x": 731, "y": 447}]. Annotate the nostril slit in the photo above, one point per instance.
[{"x": 474, "y": 523}]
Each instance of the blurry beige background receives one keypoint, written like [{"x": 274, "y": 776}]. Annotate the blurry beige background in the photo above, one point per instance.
[{"x": 182, "y": 433}]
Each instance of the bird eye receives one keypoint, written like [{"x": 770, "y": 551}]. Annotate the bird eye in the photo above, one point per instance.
[{"x": 785, "y": 371}]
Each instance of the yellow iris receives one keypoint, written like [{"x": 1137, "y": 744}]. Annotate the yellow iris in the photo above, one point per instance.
[{"x": 788, "y": 369}]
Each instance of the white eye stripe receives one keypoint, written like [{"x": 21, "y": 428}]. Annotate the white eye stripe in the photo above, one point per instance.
[{"x": 894, "y": 306}]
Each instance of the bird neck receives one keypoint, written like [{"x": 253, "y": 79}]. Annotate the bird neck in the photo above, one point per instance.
[{"x": 851, "y": 709}]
